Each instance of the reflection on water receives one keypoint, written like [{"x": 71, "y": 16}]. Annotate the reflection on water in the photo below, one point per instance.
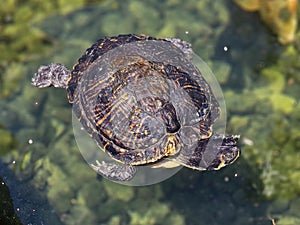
[{"x": 50, "y": 179}]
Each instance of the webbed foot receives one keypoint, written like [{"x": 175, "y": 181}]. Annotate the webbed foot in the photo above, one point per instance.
[
  {"x": 114, "y": 171},
  {"x": 54, "y": 74}
]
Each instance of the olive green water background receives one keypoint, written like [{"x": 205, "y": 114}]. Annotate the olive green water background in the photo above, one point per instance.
[{"x": 42, "y": 171}]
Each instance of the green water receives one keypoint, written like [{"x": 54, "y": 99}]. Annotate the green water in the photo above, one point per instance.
[{"x": 49, "y": 182}]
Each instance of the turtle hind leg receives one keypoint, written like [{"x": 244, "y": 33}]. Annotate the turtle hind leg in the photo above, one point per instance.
[
  {"x": 210, "y": 154},
  {"x": 114, "y": 171},
  {"x": 54, "y": 74}
]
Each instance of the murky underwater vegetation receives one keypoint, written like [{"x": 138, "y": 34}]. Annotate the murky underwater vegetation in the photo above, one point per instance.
[{"x": 41, "y": 168}]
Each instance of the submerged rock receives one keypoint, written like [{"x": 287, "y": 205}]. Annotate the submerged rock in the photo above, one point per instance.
[
  {"x": 29, "y": 204},
  {"x": 279, "y": 15}
]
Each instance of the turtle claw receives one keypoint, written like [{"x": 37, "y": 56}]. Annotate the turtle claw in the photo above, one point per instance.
[{"x": 114, "y": 171}]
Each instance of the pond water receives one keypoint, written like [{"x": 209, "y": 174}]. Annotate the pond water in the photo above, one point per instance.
[{"x": 46, "y": 180}]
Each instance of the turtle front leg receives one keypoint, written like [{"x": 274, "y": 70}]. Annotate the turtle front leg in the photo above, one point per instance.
[
  {"x": 114, "y": 171},
  {"x": 54, "y": 74}
]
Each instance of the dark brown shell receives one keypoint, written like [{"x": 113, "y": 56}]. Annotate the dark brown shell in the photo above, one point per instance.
[
  {"x": 99, "y": 48},
  {"x": 143, "y": 101}
]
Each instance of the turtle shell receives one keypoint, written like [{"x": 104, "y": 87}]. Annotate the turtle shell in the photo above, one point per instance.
[
  {"x": 99, "y": 48},
  {"x": 141, "y": 98}
]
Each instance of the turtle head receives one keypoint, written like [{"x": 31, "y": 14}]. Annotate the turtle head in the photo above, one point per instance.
[
  {"x": 54, "y": 74},
  {"x": 227, "y": 153}
]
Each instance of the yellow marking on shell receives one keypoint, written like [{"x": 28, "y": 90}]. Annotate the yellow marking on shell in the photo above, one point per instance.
[
  {"x": 108, "y": 114},
  {"x": 223, "y": 162},
  {"x": 193, "y": 167},
  {"x": 115, "y": 113},
  {"x": 108, "y": 132},
  {"x": 141, "y": 123},
  {"x": 166, "y": 164},
  {"x": 189, "y": 86},
  {"x": 236, "y": 157},
  {"x": 154, "y": 140},
  {"x": 101, "y": 45},
  {"x": 146, "y": 132},
  {"x": 171, "y": 146},
  {"x": 117, "y": 110},
  {"x": 208, "y": 133},
  {"x": 104, "y": 146}
]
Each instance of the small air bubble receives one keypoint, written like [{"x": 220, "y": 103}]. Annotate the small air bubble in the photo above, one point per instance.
[
  {"x": 30, "y": 141},
  {"x": 235, "y": 175},
  {"x": 226, "y": 179},
  {"x": 225, "y": 48},
  {"x": 186, "y": 32}
]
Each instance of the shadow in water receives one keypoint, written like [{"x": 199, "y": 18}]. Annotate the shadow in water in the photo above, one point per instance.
[
  {"x": 30, "y": 206},
  {"x": 229, "y": 196}
]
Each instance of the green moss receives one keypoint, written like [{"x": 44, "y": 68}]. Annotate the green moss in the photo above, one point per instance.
[
  {"x": 148, "y": 18},
  {"x": 111, "y": 24},
  {"x": 156, "y": 213},
  {"x": 283, "y": 103},
  {"x": 26, "y": 160},
  {"x": 11, "y": 80},
  {"x": 23, "y": 13},
  {"x": 240, "y": 103},
  {"x": 280, "y": 130},
  {"x": 294, "y": 207},
  {"x": 107, "y": 209},
  {"x": 79, "y": 214},
  {"x": 221, "y": 70},
  {"x": 168, "y": 30},
  {"x": 239, "y": 123},
  {"x": 8, "y": 143},
  {"x": 175, "y": 219},
  {"x": 288, "y": 220},
  {"x": 114, "y": 220},
  {"x": 92, "y": 193},
  {"x": 66, "y": 7},
  {"x": 279, "y": 178},
  {"x": 56, "y": 181},
  {"x": 21, "y": 39},
  {"x": 279, "y": 205},
  {"x": 59, "y": 191},
  {"x": 118, "y": 192},
  {"x": 275, "y": 84},
  {"x": 173, "y": 3},
  {"x": 272, "y": 92},
  {"x": 274, "y": 78}
]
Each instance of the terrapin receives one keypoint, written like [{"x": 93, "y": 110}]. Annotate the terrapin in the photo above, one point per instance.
[{"x": 144, "y": 103}]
